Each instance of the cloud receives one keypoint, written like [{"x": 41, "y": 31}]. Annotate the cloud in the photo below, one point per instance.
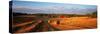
[{"x": 54, "y": 9}]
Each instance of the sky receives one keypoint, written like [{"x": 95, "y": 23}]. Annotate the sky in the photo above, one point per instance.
[{"x": 51, "y": 8}]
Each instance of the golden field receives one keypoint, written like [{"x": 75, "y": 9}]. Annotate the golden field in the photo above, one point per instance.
[{"x": 74, "y": 23}]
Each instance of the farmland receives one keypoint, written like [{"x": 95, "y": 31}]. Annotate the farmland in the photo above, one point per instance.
[
  {"x": 74, "y": 23},
  {"x": 43, "y": 22}
]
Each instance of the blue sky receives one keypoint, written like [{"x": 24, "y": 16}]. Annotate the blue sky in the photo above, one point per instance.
[{"x": 51, "y": 8}]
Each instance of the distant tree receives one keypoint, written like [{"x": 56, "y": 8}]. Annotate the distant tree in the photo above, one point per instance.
[{"x": 94, "y": 14}]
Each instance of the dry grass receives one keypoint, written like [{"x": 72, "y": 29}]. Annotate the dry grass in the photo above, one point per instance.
[{"x": 74, "y": 23}]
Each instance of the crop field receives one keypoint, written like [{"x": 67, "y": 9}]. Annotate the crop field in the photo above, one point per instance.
[
  {"x": 74, "y": 23},
  {"x": 33, "y": 23}
]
